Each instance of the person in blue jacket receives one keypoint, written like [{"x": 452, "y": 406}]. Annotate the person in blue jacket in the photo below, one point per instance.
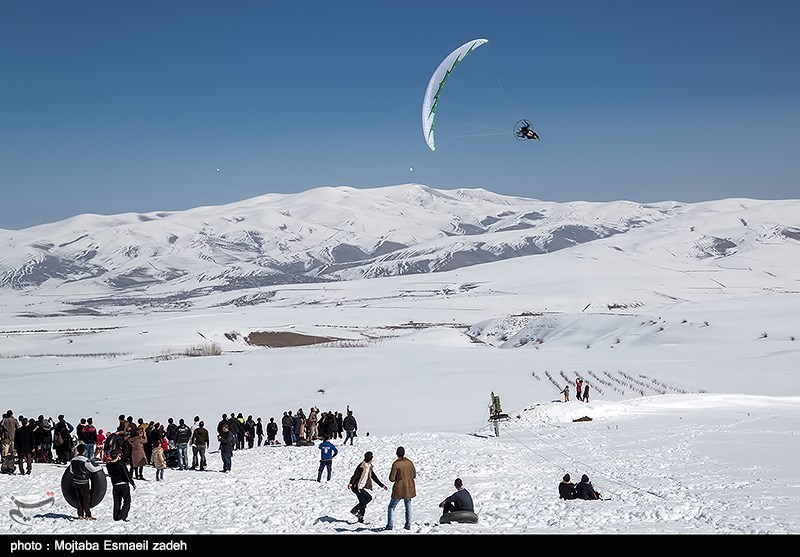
[{"x": 327, "y": 452}]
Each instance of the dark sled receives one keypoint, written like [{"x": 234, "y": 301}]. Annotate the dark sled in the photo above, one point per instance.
[
  {"x": 97, "y": 488},
  {"x": 171, "y": 458},
  {"x": 8, "y": 466},
  {"x": 463, "y": 517}
]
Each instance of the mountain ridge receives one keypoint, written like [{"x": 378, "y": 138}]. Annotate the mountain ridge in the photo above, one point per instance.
[{"x": 344, "y": 233}]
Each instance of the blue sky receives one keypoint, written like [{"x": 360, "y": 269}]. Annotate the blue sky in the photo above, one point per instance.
[{"x": 112, "y": 107}]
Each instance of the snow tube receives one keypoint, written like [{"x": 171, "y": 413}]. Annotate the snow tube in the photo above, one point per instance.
[
  {"x": 97, "y": 488},
  {"x": 466, "y": 517}
]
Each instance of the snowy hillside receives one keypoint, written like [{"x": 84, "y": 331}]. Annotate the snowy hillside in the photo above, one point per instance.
[{"x": 331, "y": 234}]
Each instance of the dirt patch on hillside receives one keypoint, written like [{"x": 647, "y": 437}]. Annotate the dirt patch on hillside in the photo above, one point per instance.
[{"x": 283, "y": 339}]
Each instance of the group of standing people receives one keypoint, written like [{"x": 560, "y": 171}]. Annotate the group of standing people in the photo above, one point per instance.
[
  {"x": 581, "y": 391},
  {"x": 139, "y": 443},
  {"x": 301, "y": 429},
  {"x": 28, "y": 440}
]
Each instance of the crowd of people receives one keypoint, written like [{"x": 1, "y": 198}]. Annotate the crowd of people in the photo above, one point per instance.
[
  {"x": 139, "y": 443},
  {"x": 135, "y": 444},
  {"x": 299, "y": 428},
  {"x": 132, "y": 445}
]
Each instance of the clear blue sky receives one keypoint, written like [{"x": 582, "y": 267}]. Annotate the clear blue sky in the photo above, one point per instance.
[{"x": 111, "y": 107}]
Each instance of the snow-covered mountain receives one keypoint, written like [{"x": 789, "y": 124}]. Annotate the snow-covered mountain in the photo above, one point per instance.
[{"x": 343, "y": 233}]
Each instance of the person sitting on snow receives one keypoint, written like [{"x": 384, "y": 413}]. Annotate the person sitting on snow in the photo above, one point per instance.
[
  {"x": 566, "y": 489},
  {"x": 461, "y": 500},
  {"x": 585, "y": 489}
]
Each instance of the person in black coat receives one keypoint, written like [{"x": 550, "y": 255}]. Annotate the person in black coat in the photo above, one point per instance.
[
  {"x": 171, "y": 431},
  {"x": 221, "y": 423},
  {"x": 286, "y": 424},
  {"x": 233, "y": 426},
  {"x": 200, "y": 442},
  {"x": 227, "y": 443},
  {"x": 327, "y": 424},
  {"x": 350, "y": 426},
  {"x": 272, "y": 431},
  {"x": 297, "y": 426},
  {"x": 44, "y": 439},
  {"x": 249, "y": 431},
  {"x": 24, "y": 444},
  {"x": 115, "y": 441},
  {"x": 339, "y": 419},
  {"x": 121, "y": 482},
  {"x": 62, "y": 439},
  {"x": 566, "y": 489},
  {"x": 585, "y": 489},
  {"x": 259, "y": 431}
]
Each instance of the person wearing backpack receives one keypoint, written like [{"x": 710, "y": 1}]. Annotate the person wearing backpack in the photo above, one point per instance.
[
  {"x": 114, "y": 442},
  {"x": 44, "y": 439},
  {"x": 272, "y": 431},
  {"x": 62, "y": 439}
]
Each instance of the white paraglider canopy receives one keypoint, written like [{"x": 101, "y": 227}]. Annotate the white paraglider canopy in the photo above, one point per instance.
[{"x": 437, "y": 82}]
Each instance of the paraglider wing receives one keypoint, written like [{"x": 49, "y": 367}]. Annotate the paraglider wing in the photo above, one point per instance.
[{"x": 436, "y": 83}]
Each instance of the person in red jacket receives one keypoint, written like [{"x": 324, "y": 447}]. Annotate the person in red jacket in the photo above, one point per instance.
[{"x": 101, "y": 440}]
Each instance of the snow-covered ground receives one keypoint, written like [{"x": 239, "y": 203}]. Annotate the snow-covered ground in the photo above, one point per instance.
[
  {"x": 666, "y": 464},
  {"x": 693, "y": 366}
]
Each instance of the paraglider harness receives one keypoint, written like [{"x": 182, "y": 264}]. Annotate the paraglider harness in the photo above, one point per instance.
[{"x": 523, "y": 131}]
